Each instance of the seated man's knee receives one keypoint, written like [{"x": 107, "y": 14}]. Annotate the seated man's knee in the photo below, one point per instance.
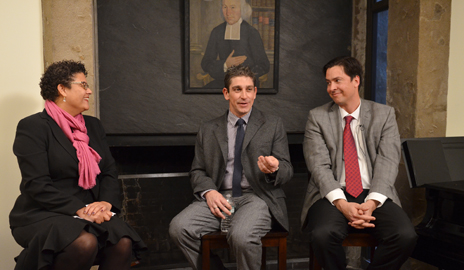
[
  {"x": 260, "y": 205},
  {"x": 239, "y": 242},
  {"x": 242, "y": 240},
  {"x": 407, "y": 237},
  {"x": 179, "y": 229},
  {"x": 323, "y": 235},
  {"x": 175, "y": 228}
]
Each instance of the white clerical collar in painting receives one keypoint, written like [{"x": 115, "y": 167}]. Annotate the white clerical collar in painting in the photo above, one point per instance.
[{"x": 233, "y": 31}]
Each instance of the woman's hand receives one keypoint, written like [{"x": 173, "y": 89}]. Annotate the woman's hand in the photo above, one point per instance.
[
  {"x": 97, "y": 207},
  {"x": 101, "y": 217},
  {"x": 97, "y": 212},
  {"x": 80, "y": 213}
]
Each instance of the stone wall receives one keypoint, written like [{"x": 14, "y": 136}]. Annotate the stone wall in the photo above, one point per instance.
[
  {"x": 358, "y": 42},
  {"x": 69, "y": 33},
  {"x": 417, "y": 77}
]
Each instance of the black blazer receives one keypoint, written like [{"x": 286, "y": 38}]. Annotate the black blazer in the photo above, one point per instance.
[{"x": 49, "y": 171}]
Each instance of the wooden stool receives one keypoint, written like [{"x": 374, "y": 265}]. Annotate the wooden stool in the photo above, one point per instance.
[
  {"x": 352, "y": 240},
  {"x": 271, "y": 239}
]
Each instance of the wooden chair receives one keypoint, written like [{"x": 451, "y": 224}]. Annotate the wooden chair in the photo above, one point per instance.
[
  {"x": 352, "y": 240},
  {"x": 271, "y": 239}
]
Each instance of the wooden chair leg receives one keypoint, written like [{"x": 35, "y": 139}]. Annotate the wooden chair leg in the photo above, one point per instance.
[
  {"x": 206, "y": 254},
  {"x": 317, "y": 266},
  {"x": 372, "y": 249},
  {"x": 313, "y": 263},
  {"x": 282, "y": 257},
  {"x": 263, "y": 259}
]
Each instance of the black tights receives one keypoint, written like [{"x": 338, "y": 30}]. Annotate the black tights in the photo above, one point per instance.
[
  {"x": 117, "y": 256},
  {"x": 83, "y": 251}
]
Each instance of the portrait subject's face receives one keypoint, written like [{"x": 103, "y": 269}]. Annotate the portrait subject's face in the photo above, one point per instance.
[
  {"x": 231, "y": 11},
  {"x": 342, "y": 89},
  {"x": 241, "y": 95}
]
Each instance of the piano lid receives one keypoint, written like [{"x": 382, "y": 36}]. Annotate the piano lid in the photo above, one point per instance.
[{"x": 434, "y": 161}]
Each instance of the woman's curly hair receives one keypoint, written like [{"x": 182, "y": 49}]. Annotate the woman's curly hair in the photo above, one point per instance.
[{"x": 61, "y": 72}]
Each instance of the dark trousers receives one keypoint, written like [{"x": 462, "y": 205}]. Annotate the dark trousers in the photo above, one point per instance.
[{"x": 393, "y": 230}]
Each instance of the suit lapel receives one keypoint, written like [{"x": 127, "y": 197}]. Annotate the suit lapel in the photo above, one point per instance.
[
  {"x": 221, "y": 135},
  {"x": 337, "y": 132},
  {"x": 365, "y": 117},
  {"x": 255, "y": 121},
  {"x": 59, "y": 135},
  {"x": 334, "y": 116},
  {"x": 365, "y": 113}
]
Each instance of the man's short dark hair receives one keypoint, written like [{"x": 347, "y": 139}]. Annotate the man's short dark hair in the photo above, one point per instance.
[
  {"x": 238, "y": 71},
  {"x": 351, "y": 67}
]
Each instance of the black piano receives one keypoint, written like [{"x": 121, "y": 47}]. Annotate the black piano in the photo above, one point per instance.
[{"x": 438, "y": 165}]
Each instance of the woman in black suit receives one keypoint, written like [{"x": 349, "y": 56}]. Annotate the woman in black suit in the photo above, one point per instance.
[{"x": 64, "y": 216}]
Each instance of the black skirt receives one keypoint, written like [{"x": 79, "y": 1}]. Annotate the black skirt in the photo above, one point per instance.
[{"x": 44, "y": 239}]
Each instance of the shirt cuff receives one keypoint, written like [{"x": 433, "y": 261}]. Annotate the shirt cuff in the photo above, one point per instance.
[
  {"x": 335, "y": 195},
  {"x": 270, "y": 177},
  {"x": 225, "y": 67},
  {"x": 202, "y": 195},
  {"x": 378, "y": 197}
]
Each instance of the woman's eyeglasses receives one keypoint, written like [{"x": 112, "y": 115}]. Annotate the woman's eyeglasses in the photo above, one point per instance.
[{"x": 84, "y": 85}]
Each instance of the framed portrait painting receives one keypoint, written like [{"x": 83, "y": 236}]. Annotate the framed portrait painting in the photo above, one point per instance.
[{"x": 219, "y": 34}]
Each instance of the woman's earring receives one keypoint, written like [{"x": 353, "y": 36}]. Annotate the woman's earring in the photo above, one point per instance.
[{"x": 64, "y": 99}]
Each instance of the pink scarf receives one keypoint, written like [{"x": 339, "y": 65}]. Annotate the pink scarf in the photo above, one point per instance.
[{"x": 74, "y": 128}]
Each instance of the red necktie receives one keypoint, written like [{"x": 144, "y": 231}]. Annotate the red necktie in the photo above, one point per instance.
[{"x": 352, "y": 175}]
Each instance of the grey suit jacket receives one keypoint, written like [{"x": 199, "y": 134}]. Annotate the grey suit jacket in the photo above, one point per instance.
[
  {"x": 265, "y": 135},
  {"x": 323, "y": 150}
]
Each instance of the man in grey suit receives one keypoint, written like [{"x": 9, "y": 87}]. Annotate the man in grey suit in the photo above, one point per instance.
[
  {"x": 259, "y": 199},
  {"x": 352, "y": 150}
]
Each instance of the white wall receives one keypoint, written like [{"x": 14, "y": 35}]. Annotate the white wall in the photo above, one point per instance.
[
  {"x": 455, "y": 113},
  {"x": 21, "y": 66}
]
